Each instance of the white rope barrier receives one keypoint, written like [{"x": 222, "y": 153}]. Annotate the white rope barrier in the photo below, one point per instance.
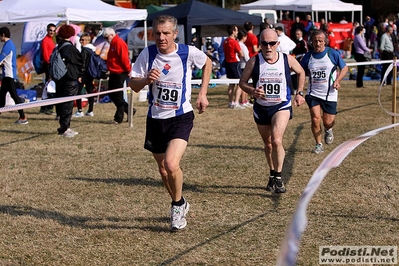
[
  {"x": 290, "y": 246},
  {"x": 55, "y": 100}
]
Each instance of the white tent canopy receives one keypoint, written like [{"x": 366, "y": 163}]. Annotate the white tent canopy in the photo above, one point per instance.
[
  {"x": 267, "y": 4},
  {"x": 66, "y": 10},
  {"x": 311, "y": 6}
]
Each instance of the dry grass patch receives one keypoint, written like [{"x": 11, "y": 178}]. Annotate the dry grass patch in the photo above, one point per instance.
[{"x": 97, "y": 199}]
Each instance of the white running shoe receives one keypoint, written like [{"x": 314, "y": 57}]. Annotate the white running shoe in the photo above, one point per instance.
[
  {"x": 318, "y": 148},
  {"x": 79, "y": 114},
  {"x": 328, "y": 136},
  {"x": 178, "y": 216},
  {"x": 69, "y": 133},
  {"x": 90, "y": 114}
]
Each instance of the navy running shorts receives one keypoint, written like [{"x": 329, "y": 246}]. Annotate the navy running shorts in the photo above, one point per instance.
[
  {"x": 159, "y": 132},
  {"x": 263, "y": 114},
  {"x": 327, "y": 106}
]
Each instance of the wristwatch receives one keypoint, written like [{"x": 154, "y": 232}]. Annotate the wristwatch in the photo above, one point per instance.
[{"x": 300, "y": 93}]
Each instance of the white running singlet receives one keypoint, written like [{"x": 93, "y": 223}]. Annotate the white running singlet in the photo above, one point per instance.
[
  {"x": 322, "y": 76},
  {"x": 273, "y": 79},
  {"x": 170, "y": 95}
]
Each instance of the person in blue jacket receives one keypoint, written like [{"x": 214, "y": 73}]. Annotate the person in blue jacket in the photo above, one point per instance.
[{"x": 8, "y": 62}]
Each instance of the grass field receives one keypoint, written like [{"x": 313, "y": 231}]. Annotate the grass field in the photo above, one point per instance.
[{"x": 97, "y": 199}]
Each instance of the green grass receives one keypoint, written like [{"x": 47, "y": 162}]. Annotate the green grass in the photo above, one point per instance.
[{"x": 98, "y": 199}]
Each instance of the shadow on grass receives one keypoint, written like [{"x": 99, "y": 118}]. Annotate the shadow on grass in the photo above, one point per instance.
[
  {"x": 211, "y": 239},
  {"x": 357, "y": 107},
  {"x": 225, "y": 189},
  {"x": 238, "y": 226},
  {"x": 370, "y": 216},
  {"x": 83, "y": 221},
  {"x": 22, "y": 139}
]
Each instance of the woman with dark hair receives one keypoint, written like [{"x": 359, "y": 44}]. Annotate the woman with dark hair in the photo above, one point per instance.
[
  {"x": 360, "y": 48},
  {"x": 68, "y": 84}
]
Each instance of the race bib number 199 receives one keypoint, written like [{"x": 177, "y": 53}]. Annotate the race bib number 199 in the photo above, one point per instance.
[{"x": 272, "y": 88}]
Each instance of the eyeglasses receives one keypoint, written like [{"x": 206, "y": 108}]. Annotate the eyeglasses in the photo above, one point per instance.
[
  {"x": 265, "y": 43},
  {"x": 51, "y": 30}
]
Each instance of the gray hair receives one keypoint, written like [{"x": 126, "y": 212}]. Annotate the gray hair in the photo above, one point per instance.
[
  {"x": 162, "y": 19},
  {"x": 108, "y": 31}
]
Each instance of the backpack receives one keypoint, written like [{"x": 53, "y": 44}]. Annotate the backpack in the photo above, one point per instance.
[
  {"x": 97, "y": 68},
  {"x": 58, "y": 69},
  {"x": 37, "y": 60}
]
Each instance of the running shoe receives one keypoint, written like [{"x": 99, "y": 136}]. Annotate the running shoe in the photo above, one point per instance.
[
  {"x": 279, "y": 185},
  {"x": 79, "y": 114},
  {"x": 69, "y": 133},
  {"x": 270, "y": 184},
  {"x": 328, "y": 136},
  {"x": 21, "y": 121},
  {"x": 178, "y": 216},
  {"x": 318, "y": 148}
]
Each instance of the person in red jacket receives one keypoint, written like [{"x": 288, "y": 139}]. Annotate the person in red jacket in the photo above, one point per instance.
[
  {"x": 233, "y": 53},
  {"x": 47, "y": 47},
  {"x": 119, "y": 67}
]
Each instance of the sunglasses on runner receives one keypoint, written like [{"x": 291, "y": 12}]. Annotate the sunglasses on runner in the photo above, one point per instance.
[{"x": 265, "y": 43}]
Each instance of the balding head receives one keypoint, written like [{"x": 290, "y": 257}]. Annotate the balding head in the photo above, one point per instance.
[
  {"x": 269, "y": 43},
  {"x": 268, "y": 35}
]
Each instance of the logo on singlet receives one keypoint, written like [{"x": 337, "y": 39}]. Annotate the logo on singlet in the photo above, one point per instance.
[{"x": 166, "y": 69}]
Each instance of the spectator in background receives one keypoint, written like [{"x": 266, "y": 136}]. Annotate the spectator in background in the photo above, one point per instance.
[
  {"x": 397, "y": 21},
  {"x": 393, "y": 25},
  {"x": 299, "y": 51},
  {"x": 343, "y": 20},
  {"x": 386, "y": 22},
  {"x": 297, "y": 25},
  {"x": 374, "y": 41},
  {"x": 309, "y": 26},
  {"x": 355, "y": 25},
  {"x": 368, "y": 26},
  {"x": 360, "y": 48},
  {"x": 330, "y": 35},
  {"x": 386, "y": 49},
  {"x": 233, "y": 53},
  {"x": 242, "y": 36},
  {"x": 68, "y": 84},
  {"x": 286, "y": 45},
  {"x": 323, "y": 23},
  {"x": 286, "y": 15},
  {"x": 8, "y": 62},
  {"x": 262, "y": 27},
  {"x": 217, "y": 45},
  {"x": 251, "y": 42},
  {"x": 279, "y": 24},
  {"x": 97, "y": 31},
  {"x": 87, "y": 80},
  {"x": 47, "y": 47},
  {"x": 119, "y": 67}
]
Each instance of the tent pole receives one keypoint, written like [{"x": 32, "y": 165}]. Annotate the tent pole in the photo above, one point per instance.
[{"x": 145, "y": 33}]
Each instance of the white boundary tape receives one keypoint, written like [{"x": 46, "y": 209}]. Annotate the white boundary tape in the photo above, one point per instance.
[
  {"x": 290, "y": 246},
  {"x": 55, "y": 100}
]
